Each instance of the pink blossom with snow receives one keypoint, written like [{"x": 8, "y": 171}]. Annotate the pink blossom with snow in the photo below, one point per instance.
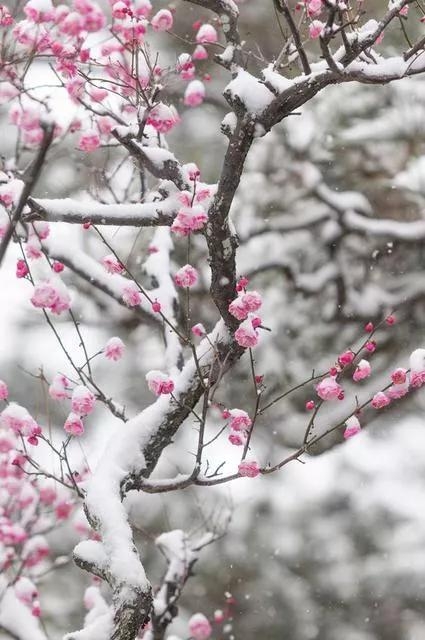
[
  {"x": 131, "y": 295},
  {"x": 380, "y": 400},
  {"x": 315, "y": 29},
  {"x": 187, "y": 276},
  {"x": 162, "y": 20},
  {"x": 363, "y": 370},
  {"x": 239, "y": 420},
  {"x": 352, "y": 427},
  {"x": 245, "y": 335},
  {"x": 4, "y": 391},
  {"x": 114, "y": 349},
  {"x": 328, "y": 389},
  {"x": 17, "y": 418},
  {"x": 58, "y": 387},
  {"x": 249, "y": 468},
  {"x": 417, "y": 368},
  {"x": 159, "y": 383},
  {"x": 199, "y": 627},
  {"x": 89, "y": 142},
  {"x": 194, "y": 94},
  {"x": 206, "y": 34},
  {"x": 74, "y": 425},
  {"x": 82, "y": 400}
]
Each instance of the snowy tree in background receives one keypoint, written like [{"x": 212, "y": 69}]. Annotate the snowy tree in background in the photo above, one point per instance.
[{"x": 148, "y": 241}]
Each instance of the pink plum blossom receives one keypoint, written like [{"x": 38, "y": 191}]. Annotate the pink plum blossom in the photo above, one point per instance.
[
  {"x": 249, "y": 468},
  {"x": 189, "y": 219},
  {"x": 199, "y": 627},
  {"x": 417, "y": 368},
  {"x": 206, "y": 34},
  {"x": 17, "y": 418},
  {"x": 200, "y": 53},
  {"x": 239, "y": 420},
  {"x": 112, "y": 264},
  {"x": 380, "y": 400},
  {"x": 198, "y": 330},
  {"x": 187, "y": 276},
  {"x": 245, "y": 335},
  {"x": 82, "y": 400},
  {"x": 352, "y": 427},
  {"x": 4, "y": 391},
  {"x": 363, "y": 370},
  {"x": 399, "y": 375},
  {"x": 58, "y": 388},
  {"x": 397, "y": 391},
  {"x": 346, "y": 358},
  {"x": 159, "y": 383},
  {"x": 89, "y": 141},
  {"x": 162, "y": 21},
  {"x": 328, "y": 389},
  {"x": 74, "y": 425},
  {"x": 131, "y": 295},
  {"x": 194, "y": 94},
  {"x": 315, "y": 29},
  {"x": 114, "y": 349},
  {"x": 238, "y": 438}
]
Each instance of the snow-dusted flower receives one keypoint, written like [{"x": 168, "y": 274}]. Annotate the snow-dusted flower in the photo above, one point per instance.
[
  {"x": 200, "y": 53},
  {"x": 187, "y": 276},
  {"x": 352, "y": 427},
  {"x": 114, "y": 349},
  {"x": 51, "y": 294},
  {"x": 238, "y": 438},
  {"x": 206, "y": 34},
  {"x": 417, "y": 368},
  {"x": 35, "y": 550},
  {"x": 199, "y": 627},
  {"x": 328, "y": 389},
  {"x": 131, "y": 295},
  {"x": 198, "y": 330},
  {"x": 25, "y": 590},
  {"x": 189, "y": 219},
  {"x": 74, "y": 425},
  {"x": 239, "y": 420},
  {"x": 380, "y": 400},
  {"x": 111, "y": 264},
  {"x": 245, "y": 335},
  {"x": 162, "y": 20},
  {"x": 194, "y": 94},
  {"x": 399, "y": 375},
  {"x": 58, "y": 388},
  {"x": 18, "y": 419},
  {"x": 244, "y": 304},
  {"x": 89, "y": 141},
  {"x": 315, "y": 29},
  {"x": 363, "y": 370},
  {"x": 4, "y": 391},
  {"x": 249, "y": 468},
  {"x": 82, "y": 400},
  {"x": 159, "y": 383}
]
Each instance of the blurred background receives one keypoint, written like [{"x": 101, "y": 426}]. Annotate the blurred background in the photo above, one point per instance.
[{"x": 331, "y": 549}]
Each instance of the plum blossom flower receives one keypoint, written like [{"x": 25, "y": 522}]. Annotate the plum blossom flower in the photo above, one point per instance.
[
  {"x": 198, "y": 330},
  {"x": 363, "y": 370},
  {"x": 162, "y": 21},
  {"x": 346, "y": 358},
  {"x": 58, "y": 388},
  {"x": 25, "y": 590},
  {"x": 199, "y": 627},
  {"x": 397, "y": 391},
  {"x": 380, "y": 400},
  {"x": 239, "y": 420},
  {"x": 399, "y": 375},
  {"x": 187, "y": 276},
  {"x": 89, "y": 141},
  {"x": 206, "y": 34},
  {"x": 131, "y": 295},
  {"x": 82, "y": 400},
  {"x": 51, "y": 294},
  {"x": 17, "y": 418},
  {"x": 249, "y": 468},
  {"x": 114, "y": 349},
  {"x": 21, "y": 269},
  {"x": 194, "y": 94},
  {"x": 314, "y": 8},
  {"x": 315, "y": 29},
  {"x": 238, "y": 438},
  {"x": 111, "y": 264},
  {"x": 200, "y": 53},
  {"x": 159, "y": 383},
  {"x": 352, "y": 427},
  {"x": 74, "y": 425},
  {"x": 189, "y": 219},
  {"x": 4, "y": 391},
  {"x": 244, "y": 304},
  {"x": 245, "y": 335},
  {"x": 328, "y": 389},
  {"x": 163, "y": 118},
  {"x": 35, "y": 550},
  {"x": 417, "y": 368}
]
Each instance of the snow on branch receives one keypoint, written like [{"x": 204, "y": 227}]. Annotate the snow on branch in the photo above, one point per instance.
[
  {"x": 147, "y": 214},
  {"x": 405, "y": 231}
]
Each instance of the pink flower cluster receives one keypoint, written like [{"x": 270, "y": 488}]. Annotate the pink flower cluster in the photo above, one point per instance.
[
  {"x": 114, "y": 349},
  {"x": 329, "y": 389},
  {"x": 352, "y": 427},
  {"x": 244, "y": 304},
  {"x": 249, "y": 468},
  {"x": 199, "y": 627},
  {"x": 189, "y": 219},
  {"x": 239, "y": 423},
  {"x": 51, "y": 294}
]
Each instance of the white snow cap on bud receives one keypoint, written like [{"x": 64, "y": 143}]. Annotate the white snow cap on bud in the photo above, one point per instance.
[{"x": 25, "y": 590}]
